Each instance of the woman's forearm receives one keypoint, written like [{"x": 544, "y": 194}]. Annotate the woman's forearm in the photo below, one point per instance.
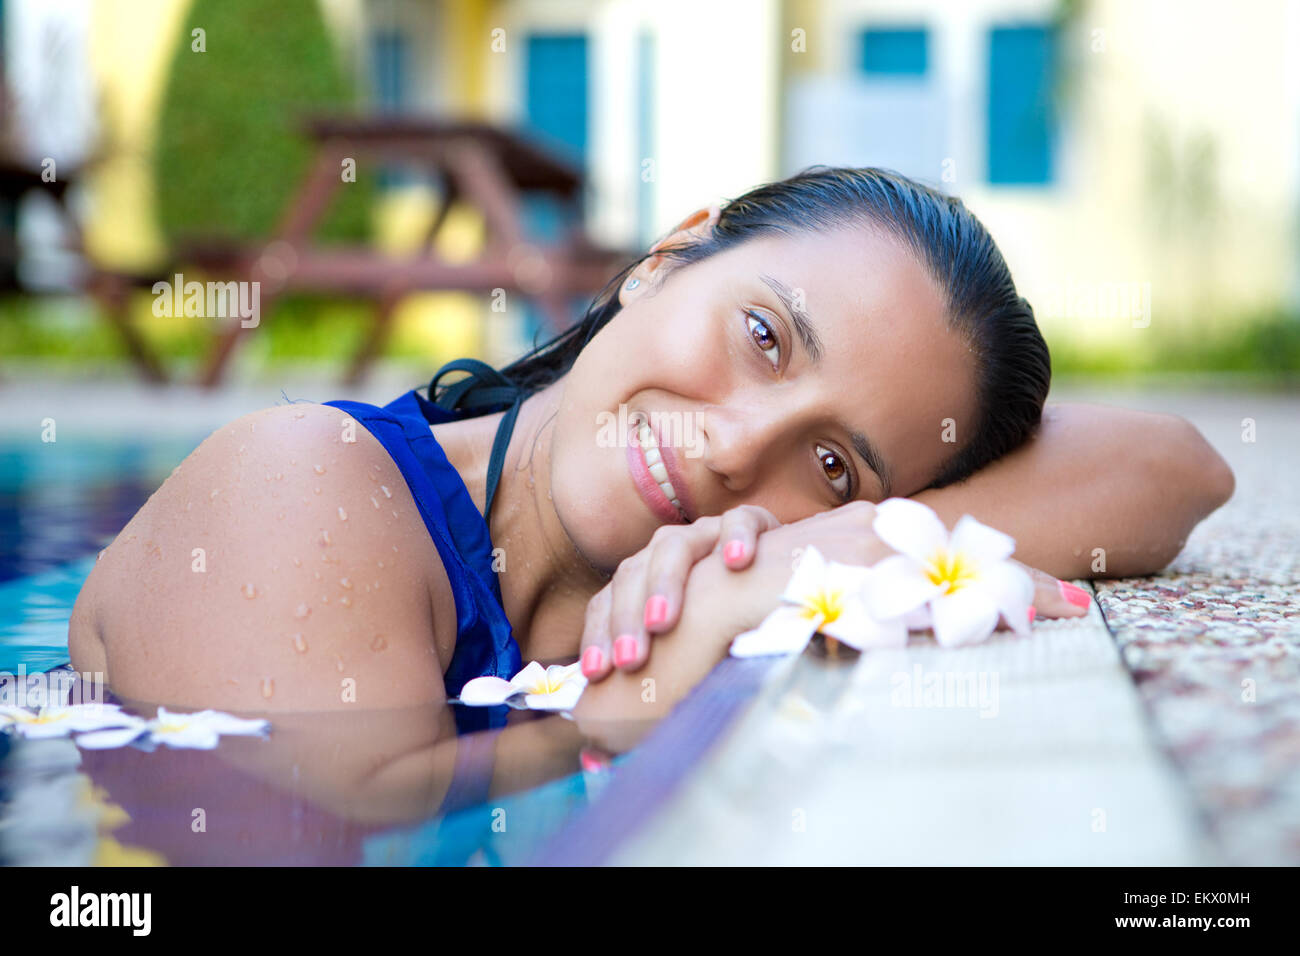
[{"x": 1100, "y": 491}]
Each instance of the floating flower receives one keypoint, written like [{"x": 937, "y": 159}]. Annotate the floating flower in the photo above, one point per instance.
[
  {"x": 557, "y": 687},
  {"x": 956, "y": 583},
  {"x": 59, "y": 721},
  {"x": 200, "y": 730},
  {"x": 827, "y": 597}
]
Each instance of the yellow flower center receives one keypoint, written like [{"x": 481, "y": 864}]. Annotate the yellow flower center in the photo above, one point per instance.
[
  {"x": 546, "y": 685},
  {"x": 45, "y": 718},
  {"x": 170, "y": 728},
  {"x": 951, "y": 570},
  {"x": 825, "y": 604}
]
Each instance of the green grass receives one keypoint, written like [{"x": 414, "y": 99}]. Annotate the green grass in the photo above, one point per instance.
[
  {"x": 311, "y": 328},
  {"x": 1264, "y": 346}
]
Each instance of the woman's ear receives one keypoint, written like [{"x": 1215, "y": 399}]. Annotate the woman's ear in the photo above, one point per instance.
[{"x": 698, "y": 225}]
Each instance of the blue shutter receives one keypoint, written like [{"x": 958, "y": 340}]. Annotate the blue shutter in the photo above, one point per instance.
[
  {"x": 1021, "y": 117},
  {"x": 389, "y": 61},
  {"x": 894, "y": 52},
  {"x": 556, "y": 94}
]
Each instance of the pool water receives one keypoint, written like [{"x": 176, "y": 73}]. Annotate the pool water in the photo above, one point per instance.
[{"x": 60, "y": 503}]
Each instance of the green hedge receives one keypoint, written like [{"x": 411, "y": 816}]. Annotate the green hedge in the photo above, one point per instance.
[{"x": 229, "y": 153}]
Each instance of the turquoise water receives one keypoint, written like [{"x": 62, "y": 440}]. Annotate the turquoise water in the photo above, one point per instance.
[{"x": 60, "y": 503}]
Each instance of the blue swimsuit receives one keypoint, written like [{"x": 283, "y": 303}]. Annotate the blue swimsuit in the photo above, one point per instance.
[{"x": 485, "y": 645}]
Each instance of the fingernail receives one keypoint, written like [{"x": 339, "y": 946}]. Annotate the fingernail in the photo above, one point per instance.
[
  {"x": 1033, "y": 611},
  {"x": 592, "y": 660},
  {"x": 624, "y": 650},
  {"x": 656, "y": 610},
  {"x": 733, "y": 551},
  {"x": 1075, "y": 595}
]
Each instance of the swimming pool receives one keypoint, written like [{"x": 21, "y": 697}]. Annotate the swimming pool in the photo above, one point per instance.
[{"x": 259, "y": 802}]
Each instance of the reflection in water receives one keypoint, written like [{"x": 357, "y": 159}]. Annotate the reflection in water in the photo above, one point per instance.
[{"x": 321, "y": 785}]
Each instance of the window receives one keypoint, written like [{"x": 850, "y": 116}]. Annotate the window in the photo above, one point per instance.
[
  {"x": 894, "y": 52},
  {"x": 1021, "y": 116}
]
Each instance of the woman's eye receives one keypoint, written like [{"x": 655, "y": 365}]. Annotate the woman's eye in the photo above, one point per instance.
[
  {"x": 836, "y": 470},
  {"x": 763, "y": 337}
]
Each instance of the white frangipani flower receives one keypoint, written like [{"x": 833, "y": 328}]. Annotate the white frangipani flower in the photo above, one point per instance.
[
  {"x": 959, "y": 583},
  {"x": 557, "y": 687},
  {"x": 823, "y": 596},
  {"x": 200, "y": 730},
  {"x": 59, "y": 720}
]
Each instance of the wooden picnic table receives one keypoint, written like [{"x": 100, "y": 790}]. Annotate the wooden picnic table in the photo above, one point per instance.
[{"x": 477, "y": 164}]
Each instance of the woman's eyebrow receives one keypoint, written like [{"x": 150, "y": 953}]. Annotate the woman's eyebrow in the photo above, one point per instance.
[{"x": 803, "y": 325}]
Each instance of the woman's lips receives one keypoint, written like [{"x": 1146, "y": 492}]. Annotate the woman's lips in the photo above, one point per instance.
[{"x": 651, "y": 493}]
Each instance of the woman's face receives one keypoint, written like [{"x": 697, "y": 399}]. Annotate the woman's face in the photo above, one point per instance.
[{"x": 711, "y": 354}]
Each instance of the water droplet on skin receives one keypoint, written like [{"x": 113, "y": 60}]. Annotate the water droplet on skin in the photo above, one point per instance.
[
  {"x": 268, "y": 477},
  {"x": 324, "y": 599},
  {"x": 345, "y": 601},
  {"x": 299, "y": 414},
  {"x": 338, "y": 663},
  {"x": 250, "y": 592},
  {"x": 303, "y": 611},
  {"x": 279, "y": 476},
  {"x": 300, "y": 643},
  {"x": 324, "y": 538},
  {"x": 394, "y": 514},
  {"x": 372, "y": 476},
  {"x": 384, "y": 489},
  {"x": 376, "y": 585},
  {"x": 343, "y": 515},
  {"x": 319, "y": 469},
  {"x": 345, "y": 582},
  {"x": 316, "y": 489},
  {"x": 374, "y": 502},
  {"x": 268, "y": 687},
  {"x": 380, "y": 563},
  {"x": 241, "y": 449},
  {"x": 280, "y": 516},
  {"x": 215, "y": 492},
  {"x": 297, "y": 562},
  {"x": 379, "y": 643},
  {"x": 101, "y": 555},
  {"x": 317, "y": 573}
]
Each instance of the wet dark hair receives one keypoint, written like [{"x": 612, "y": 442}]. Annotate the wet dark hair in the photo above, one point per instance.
[{"x": 1013, "y": 367}]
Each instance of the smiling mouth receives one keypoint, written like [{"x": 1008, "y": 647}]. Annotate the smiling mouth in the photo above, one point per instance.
[{"x": 651, "y": 475}]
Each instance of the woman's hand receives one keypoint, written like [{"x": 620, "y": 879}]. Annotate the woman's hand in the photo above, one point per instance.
[
  {"x": 645, "y": 595},
  {"x": 644, "y": 598}
]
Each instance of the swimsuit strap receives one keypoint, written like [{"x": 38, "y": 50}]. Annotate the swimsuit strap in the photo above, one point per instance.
[{"x": 479, "y": 392}]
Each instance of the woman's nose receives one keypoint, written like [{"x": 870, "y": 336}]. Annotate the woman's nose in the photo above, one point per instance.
[{"x": 738, "y": 436}]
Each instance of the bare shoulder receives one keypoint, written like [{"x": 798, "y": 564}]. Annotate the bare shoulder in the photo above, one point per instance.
[{"x": 283, "y": 565}]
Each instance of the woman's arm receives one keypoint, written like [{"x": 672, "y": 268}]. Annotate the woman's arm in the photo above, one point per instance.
[{"x": 1100, "y": 491}]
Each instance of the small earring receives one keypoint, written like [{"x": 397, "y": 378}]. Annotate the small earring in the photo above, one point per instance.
[{"x": 633, "y": 283}]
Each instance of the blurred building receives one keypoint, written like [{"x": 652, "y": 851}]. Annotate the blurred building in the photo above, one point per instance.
[{"x": 1137, "y": 160}]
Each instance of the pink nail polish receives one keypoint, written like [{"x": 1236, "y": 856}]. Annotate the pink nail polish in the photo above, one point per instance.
[
  {"x": 1033, "y": 612},
  {"x": 624, "y": 650},
  {"x": 733, "y": 551},
  {"x": 1075, "y": 595},
  {"x": 592, "y": 660},
  {"x": 656, "y": 611}
]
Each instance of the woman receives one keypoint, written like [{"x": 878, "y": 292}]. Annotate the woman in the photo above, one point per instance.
[{"x": 827, "y": 341}]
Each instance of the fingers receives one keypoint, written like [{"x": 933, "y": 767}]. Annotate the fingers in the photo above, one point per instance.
[
  {"x": 1054, "y": 598},
  {"x": 595, "y": 653},
  {"x": 741, "y": 527}
]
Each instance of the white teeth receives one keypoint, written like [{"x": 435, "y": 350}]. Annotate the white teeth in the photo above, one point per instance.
[{"x": 654, "y": 461}]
